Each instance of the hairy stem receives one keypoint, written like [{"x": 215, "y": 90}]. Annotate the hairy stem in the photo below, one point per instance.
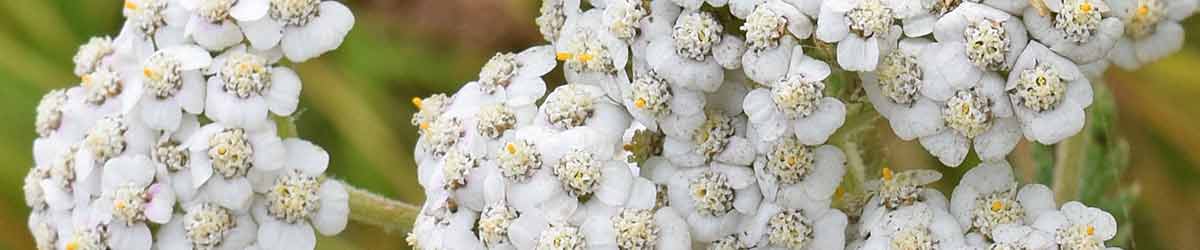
[
  {"x": 373, "y": 209},
  {"x": 1070, "y": 155}
]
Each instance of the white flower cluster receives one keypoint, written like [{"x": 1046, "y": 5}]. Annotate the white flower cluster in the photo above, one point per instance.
[
  {"x": 164, "y": 146},
  {"x": 728, "y": 111}
]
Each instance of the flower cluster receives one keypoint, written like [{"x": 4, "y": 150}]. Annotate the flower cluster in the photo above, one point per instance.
[
  {"x": 688, "y": 124},
  {"x": 163, "y": 145}
]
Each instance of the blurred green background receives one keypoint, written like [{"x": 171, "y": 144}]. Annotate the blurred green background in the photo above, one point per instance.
[{"x": 356, "y": 104}]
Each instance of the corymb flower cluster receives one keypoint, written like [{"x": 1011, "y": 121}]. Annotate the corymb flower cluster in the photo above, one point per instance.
[
  {"x": 709, "y": 124},
  {"x": 169, "y": 142}
]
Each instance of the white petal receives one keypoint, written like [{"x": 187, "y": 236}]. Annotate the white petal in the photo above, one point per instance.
[
  {"x": 248, "y": 10},
  {"x": 322, "y": 34},
  {"x": 998, "y": 141},
  {"x": 817, "y": 128},
  {"x": 191, "y": 57},
  {"x": 948, "y": 146},
  {"x": 858, "y": 54},
  {"x": 284, "y": 94},
  {"x": 331, "y": 218},
  {"x": 275, "y": 235},
  {"x": 263, "y": 33},
  {"x": 135, "y": 237},
  {"x": 305, "y": 156},
  {"x": 214, "y": 36},
  {"x": 191, "y": 95},
  {"x": 162, "y": 114}
]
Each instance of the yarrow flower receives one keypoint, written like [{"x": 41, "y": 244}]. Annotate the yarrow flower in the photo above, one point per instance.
[{"x": 1152, "y": 30}]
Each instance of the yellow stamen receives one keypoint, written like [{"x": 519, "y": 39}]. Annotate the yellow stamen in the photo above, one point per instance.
[
  {"x": 997, "y": 205},
  {"x": 119, "y": 205},
  {"x": 86, "y": 80},
  {"x": 640, "y": 103},
  {"x": 222, "y": 150},
  {"x": 1143, "y": 10},
  {"x": 839, "y": 192},
  {"x": 149, "y": 73},
  {"x": 887, "y": 174},
  {"x": 584, "y": 57},
  {"x": 130, "y": 5},
  {"x": 512, "y": 149},
  {"x": 416, "y": 101},
  {"x": 562, "y": 56},
  {"x": 791, "y": 161},
  {"x": 73, "y": 245},
  {"x": 424, "y": 125},
  {"x": 1091, "y": 230},
  {"x": 1086, "y": 7}
]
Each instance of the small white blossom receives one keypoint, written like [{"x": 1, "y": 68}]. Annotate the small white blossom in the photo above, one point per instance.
[
  {"x": 213, "y": 24},
  {"x": 153, "y": 23},
  {"x": 303, "y": 29},
  {"x": 795, "y": 175},
  {"x": 987, "y": 197},
  {"x": 169, "y": 84},
  {"x": 132, "y": 197},
  {"x": 246, "y": 85},
  {"x": 796, "y": 104},
  {"x": 299, "y": 200},
  {"x": 972, "y": 40},
  {"x": 862, "y": 29},
  {"x": 714, "y": 200},
  {"x": 225, "y": 159},
  {"x": 1152, "y": 30},
  {"x": 1077, "y": 226},
  {"x": 1049, "y": 95},
  {"x": 689, "y": 54},
  {"x": 1081, "y": 30},
  {"x": 894, "y": 89},
  {"x": 919, "y": 226},
  {"x": 776, "y": 227},
  {"x": 978, "y": 113}
]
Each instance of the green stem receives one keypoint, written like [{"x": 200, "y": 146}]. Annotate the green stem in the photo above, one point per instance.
[
  {"x": 1069, "y": 158},
  {"x": 372, "y": 209}
]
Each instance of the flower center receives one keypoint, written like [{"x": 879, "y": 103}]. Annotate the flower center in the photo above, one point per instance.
[
  {"x": 455, "y": 168},
  {"x": 1145, "y": 18},
  {"x": 428, "y": 110},
  {"x": 764, "y": 28},
  {"x": 106, "y": 139},
  {"x": 569, "y": 106},
  {"x": 635, "y": 229},
  {"x": 712, "y": 194},
  {"x": 91, "y": 238},
  {"x": 1040, "y": 88},
  {"x": 170, "y": 153},
  {"x": 494, "y": 120},
  {"x": 295, "y": 12},
  {"x": 44, "y": 235},
  {"x": 586, "y": 53},
  {"x": 551, "y": 20},
  {"x": 870, "y": 17},
  {"x": 50, "y": 112},
  {"x": 494, "y": 223},
  {"x": 996, "y": 209},
  {"x": 729, "y": 242},
  {"x": 968, "y": 112},
  {"x": 712, "y": 136},
  {"x": 129, "y": 200},
  {"x": 789, "y": 229},
  {"x": 1078, "y": 20},
  {"x": 146, "y": 15},
  {"x": 62, "y": 170},
  {"x": 1078, "y": 237},
  {"x": 215, "y": 11},
  {"x": 519, "y": 160},
  {"x": 790, "y": 161},
  {"x": 651, "y": 93},
  {"x": 661, "y": 198},
  {"x": 579, "y": 172},
  {"x": 246, "y": 75},
  {"x": 1005, "y": 246},
  {"x": 624, "y": 16},
  {"x": 443, "y": 135},
  {"x": 987, "y": 44},
  {"x": 100, "y": 86},
  {"x": 498, "y": 72},
  {"x": 164, "y": 76},
  {"x": 35, "y": 196},
  {"x": 899, "y": 78},
  {"x": 797, "y": 97},
  {"x": 899, "y": 189},
  {"x": 208, "y": 225},
  {"x": 941, "y": 7},
  {"x": 913, "y": 239},
  {"x": 231, "y": 153},
  {"x": 561, "y": 237},
  {"x": 696, "y": 34},
  {"x": 90, "y": 54},
  {"x": 293, "y": 197}
]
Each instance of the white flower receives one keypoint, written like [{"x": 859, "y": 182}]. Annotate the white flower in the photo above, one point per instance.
[
  {"x": 1013, "y": 236},
  {"x": 87, "y": 231},
  {"x": 592, "y": 54},
  {"x": 972, "y": 40},
  {"x": 690, "y": 54},
  {"x": 919, "y": 226},
  {"x": 494, "y": 223},
  {"x": 894, "y": 88},
  {"x": 553, "y": 15},
  {"x": 581, "y": 172},
  {"x": 650, "y": 99},
  {"x": 862, "y": 30},
  {"x": 1049, "y": 94},
  {"x": 104, "y": 91},
  {"x": 47, "y": 229},
  {"x": 131, "y": 197},
  {"x": 1012, "y": 7},
  {"x": 97, "y": 51},
  {"x": 207, "y": 226},
  {"x": 441, "y": 226},
  {"x": 715, "y": 136},
  {"x": 225, "y": 159},
  {"x": 532, "y": 231},
  {"x": 1078, "y": 29},
  {"x": 771, "y": 21},
  {"x": 795, "y": 175},
  {"x": 796, "y": 104},
  {"x": 35, "y": 194},
  {"x": 776, "y": 227},
  {"x": 299, "y": 200},
  {"x": 895, "y": 190},
  {"x": 639, "y": 224},
  {"x": 213, "y": 23},
  {"x": 247, "y": 84},
  {"x": 579, "y": 105},
  {"x": 919, "y": 17},
  {"x": 987, "y": 197},
  {"x": 303, "y": 29},
  {"x": 170, "y": 153},
  {"x": 463, "y": 175},
  {"x": 624, "y": 17},
  {"x": 168, "y": 84},
  {"x": 111, "y": 137},
  {"x": 153, "y": 23},
  {"x": 514, "y": 78},
  {"x": 60, "y": 183},
  {"x": 1077, "y": 226},
  {"x": 714, "y": 200},
  {"x": 1152, "y": 30},
  {"x": 428, "y": 110},
  {"x": 57, "y": 128},
  {"x": 979, "y": 113}
]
